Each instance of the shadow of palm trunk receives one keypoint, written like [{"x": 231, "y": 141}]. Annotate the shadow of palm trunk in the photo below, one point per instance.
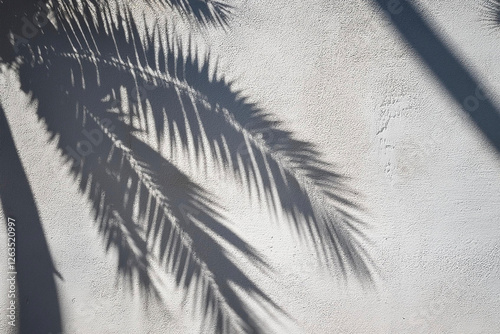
[
  {"x": 451, "y": 72},
  {"x": 37, "y": 301}
]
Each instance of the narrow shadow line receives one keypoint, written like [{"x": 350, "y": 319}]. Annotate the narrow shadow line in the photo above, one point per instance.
[
  {"x": 464, "y": 88},
  {"x": 37, "y": 300}
]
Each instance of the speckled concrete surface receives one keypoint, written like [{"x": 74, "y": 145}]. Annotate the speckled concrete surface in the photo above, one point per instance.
[{"x": 340, "y": 75}]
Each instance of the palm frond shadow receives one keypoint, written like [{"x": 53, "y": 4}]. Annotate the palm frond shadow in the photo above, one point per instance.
[
  {"x": 288, "y": 174},
  {"x": 146, "y": 209},
  {"x": 491, "y": 13},
  {"x": 202, "y": 108},
  {"x": 211, "y": 12},
  {"x": 96, "y": 75}
]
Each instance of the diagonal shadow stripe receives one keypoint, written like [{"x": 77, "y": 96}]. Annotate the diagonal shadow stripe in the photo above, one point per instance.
[
  {"x": 37, "y": 300},
  {"x": 446, "y": 66}
]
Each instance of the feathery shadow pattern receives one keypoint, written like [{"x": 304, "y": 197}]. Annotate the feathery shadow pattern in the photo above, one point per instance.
[
  {"x": 205, "y": 12},
  {"x": 491, "y": 13},
  {"x": 201, "y": 108},
  {"x": 88, "y": 77},
  {"x": 147, "y": 210}
]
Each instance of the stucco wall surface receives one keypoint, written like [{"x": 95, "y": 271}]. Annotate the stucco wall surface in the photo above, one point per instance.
[{"x": 339, "y": 74}]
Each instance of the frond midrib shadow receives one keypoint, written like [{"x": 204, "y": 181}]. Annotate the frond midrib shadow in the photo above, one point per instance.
[{"x": 72, "y": 71}]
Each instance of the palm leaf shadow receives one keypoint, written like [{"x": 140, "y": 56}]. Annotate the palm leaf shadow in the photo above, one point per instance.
[
  {"x": 491, "y": 13},
  {"x": 146, "y": 209},
  {"x": 205, "y": 12},
  {"x": 287, "y": 173},
  {"x": 37, "y": 299}
]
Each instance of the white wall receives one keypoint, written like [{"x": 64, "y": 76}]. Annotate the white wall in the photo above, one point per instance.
[{"x": 341, "y": 76}]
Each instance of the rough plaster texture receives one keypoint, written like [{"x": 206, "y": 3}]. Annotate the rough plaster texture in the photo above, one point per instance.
[{"x": 341, "y": 76}]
